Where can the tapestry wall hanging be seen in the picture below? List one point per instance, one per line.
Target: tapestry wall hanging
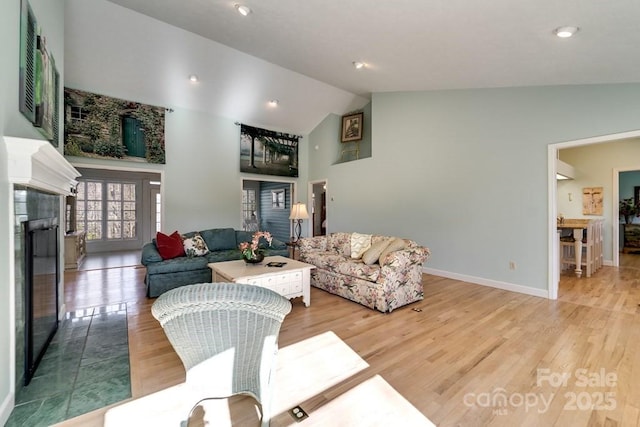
(267, 152)
(39, 81)
(102, 127)
(592, 201)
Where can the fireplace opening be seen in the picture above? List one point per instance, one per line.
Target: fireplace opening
(41, 290)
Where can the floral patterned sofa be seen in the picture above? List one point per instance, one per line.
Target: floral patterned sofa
(391, 281)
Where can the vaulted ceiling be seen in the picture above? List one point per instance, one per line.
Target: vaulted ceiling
(406, 45)
(423, 44)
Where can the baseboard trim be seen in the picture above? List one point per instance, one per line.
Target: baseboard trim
(542, 293)
(6, 408)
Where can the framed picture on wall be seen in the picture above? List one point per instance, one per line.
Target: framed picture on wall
(592, 201)
(352, 127)
(277, 199)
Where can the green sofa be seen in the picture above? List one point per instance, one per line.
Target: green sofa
(163, 275)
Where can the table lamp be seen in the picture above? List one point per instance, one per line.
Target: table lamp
(298, 213)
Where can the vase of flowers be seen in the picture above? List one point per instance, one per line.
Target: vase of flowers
(251, 252)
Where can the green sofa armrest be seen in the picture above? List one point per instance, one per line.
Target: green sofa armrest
(150, 254)
(278, 244)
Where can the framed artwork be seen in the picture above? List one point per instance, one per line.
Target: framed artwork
(39, 80)
(277, 199)
(267, 152)
(28, 52)
(592, 201)
(45, 95)
(103, 127)
(352, 127)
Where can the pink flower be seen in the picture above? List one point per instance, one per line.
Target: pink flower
(249, 249)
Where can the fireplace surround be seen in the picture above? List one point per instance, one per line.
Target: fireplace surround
(39, 175)
(41, 262)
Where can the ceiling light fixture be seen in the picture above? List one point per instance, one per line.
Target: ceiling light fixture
(565, 32)
(193, 78)
(242, 9)
(359, 65)
(274, 103)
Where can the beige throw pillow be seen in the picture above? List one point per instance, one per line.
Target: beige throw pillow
(359, 244)
(373, 253)
(395, 245)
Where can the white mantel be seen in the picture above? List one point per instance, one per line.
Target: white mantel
(36, 163)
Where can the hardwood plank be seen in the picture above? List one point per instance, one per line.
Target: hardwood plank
(467, 341)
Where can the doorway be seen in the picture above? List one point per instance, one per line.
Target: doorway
(319, 222)
(553, 246)
(266, 206)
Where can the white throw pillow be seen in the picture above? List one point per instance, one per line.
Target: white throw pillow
(195, 246)
(359, 244)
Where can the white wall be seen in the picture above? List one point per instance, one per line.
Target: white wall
(50, 17)
(202, 188)
(465, 172)
(201, 177)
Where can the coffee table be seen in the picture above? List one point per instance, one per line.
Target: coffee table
(291, 280)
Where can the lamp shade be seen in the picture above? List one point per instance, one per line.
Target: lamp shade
(299, 211)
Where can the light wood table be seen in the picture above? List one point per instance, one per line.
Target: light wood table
(578, 226)
(291, 280)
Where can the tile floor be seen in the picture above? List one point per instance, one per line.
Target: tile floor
(85, 367)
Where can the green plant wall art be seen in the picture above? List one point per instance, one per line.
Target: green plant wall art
(103, 127)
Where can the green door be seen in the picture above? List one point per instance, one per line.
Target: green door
(133, 137)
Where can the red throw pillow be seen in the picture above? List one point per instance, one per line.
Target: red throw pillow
(170, 246)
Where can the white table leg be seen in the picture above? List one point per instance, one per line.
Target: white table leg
(577, 236)
(306, 287)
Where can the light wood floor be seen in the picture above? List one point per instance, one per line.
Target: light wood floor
(466, 347)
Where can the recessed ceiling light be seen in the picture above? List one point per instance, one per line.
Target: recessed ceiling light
(274, 103)
(564, 32)
(242, 9)
(359, 65)
(193, 78)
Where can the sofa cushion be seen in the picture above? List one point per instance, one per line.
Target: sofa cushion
(277, 244)
(395, 245)
(218, 239)
(358, 269)
(169, 246)
(359, 244)
(195, 246)
(243, 236)
(340, 243)
(324, 260)
(178, 264)
(340, 264)
(227, 255)
(373, 253)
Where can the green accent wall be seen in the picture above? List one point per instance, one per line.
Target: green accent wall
(465, 172)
